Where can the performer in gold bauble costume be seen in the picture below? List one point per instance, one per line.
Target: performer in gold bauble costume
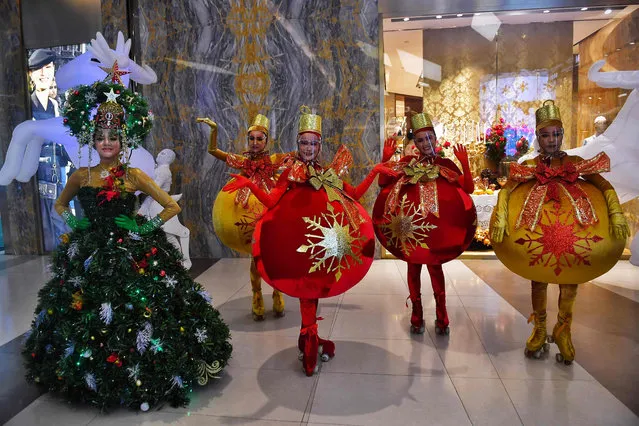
(236, 213)
(557, 220)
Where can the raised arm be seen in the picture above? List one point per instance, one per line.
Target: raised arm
(212, 149)
(466, 179)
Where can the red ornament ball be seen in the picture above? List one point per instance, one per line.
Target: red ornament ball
(430, 239)
(306, 246)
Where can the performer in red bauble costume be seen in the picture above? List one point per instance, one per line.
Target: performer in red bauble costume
(425, 216)
(315, 240)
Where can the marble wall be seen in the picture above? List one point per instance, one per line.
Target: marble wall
(18, 202)
(230, 59)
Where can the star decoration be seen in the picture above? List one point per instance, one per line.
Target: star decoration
(335, 247)
(557, 243)
(111, 96)
(114, 73)
(407, 228)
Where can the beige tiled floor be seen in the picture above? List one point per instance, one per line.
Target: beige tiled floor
(381, 373)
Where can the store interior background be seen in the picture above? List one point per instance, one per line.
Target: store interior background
(358, 63)
(469, 70)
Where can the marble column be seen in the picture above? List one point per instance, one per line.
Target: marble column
(114, 19)
(230, 59)
(19, 205)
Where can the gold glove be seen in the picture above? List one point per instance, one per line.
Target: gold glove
(213, 125)
(618, 225)
(499, 225)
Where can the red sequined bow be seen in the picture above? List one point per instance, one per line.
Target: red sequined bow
(423, 174)
(554, 181)
(258, 168)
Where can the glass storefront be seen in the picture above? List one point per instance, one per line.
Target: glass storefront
(481, 76)
(55, 165)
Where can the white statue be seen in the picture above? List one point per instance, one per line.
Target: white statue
(176, 233)
(23, 155)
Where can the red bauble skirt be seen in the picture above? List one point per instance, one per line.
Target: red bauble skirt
(306, 247)
(430, 240)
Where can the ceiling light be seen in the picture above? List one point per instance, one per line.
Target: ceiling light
(478, 13)
(608, 12)
(546, 11)
(632, 42)
(406, 19)
(438, 16)
(459, 15)
(584, 9)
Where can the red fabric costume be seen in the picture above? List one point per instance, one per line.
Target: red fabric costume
(314, 241)
(425, 216)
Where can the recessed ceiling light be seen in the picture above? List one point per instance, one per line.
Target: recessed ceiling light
(546, 11)
(459, 15)
(584, 8)
(406, 19)
(632, 42)
(438, 16)
(608, 12)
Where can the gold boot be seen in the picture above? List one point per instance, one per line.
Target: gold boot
(258, 306)
(536, 343)
(258, 301)
(562, 337)
(278, 303)
(561, 334)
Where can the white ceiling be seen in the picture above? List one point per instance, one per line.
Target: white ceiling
(513, 18)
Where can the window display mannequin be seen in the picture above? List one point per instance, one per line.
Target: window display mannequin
(601, 124)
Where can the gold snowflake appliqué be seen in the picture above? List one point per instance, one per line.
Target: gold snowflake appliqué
(407, 228)
(336, 246)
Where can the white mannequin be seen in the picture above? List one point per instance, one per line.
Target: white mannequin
(600, 126)
(176, 233)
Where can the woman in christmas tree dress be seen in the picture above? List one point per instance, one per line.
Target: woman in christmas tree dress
(236, 214)
(315, 240)
(557, 220)
(120, 322)
(426, 216)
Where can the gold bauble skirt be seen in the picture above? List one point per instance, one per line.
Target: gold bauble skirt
(233, 223)
(559, 250)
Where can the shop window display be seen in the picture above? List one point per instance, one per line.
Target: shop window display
(54, 164)
(484, 75)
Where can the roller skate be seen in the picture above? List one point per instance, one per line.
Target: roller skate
(326, 349)
(417, 325)
(278, 304)
(441, 323)
(561, 336)
(536, 344)
(258, 306)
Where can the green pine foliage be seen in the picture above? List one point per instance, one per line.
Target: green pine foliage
(121, 322)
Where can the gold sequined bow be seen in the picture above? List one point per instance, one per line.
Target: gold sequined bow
(424, 175)
(334, 187)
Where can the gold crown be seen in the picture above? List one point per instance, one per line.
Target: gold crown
(109, 116)
(309, 122)
(548, 115)
(421, 121)
(260, 123)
